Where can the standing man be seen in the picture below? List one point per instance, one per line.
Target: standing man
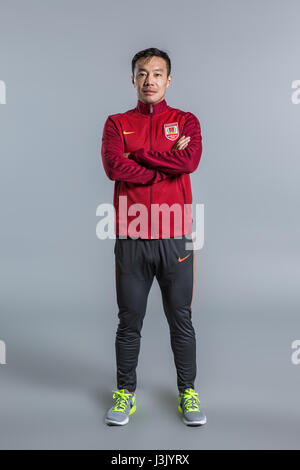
(150, 151)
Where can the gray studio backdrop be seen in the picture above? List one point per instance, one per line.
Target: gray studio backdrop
(66, 67)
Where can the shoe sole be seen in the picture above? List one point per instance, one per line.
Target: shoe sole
(192, 423)
(120, 423)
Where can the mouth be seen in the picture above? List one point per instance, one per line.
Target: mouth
(149, 92)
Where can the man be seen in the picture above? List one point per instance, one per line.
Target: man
(149, 152)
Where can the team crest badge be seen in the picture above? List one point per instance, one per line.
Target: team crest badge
(171, 131)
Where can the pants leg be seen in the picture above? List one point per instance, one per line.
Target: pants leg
(175, 275)
(134, 276)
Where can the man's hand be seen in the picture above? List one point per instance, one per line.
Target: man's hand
(181, 143)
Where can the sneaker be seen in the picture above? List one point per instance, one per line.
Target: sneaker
(188, 405)
(124, 406)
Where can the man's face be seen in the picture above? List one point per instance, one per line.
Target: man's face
(150, 74)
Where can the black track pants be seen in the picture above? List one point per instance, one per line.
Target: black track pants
(137, 261)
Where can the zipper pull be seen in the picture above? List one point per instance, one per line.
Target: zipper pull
(150, 108)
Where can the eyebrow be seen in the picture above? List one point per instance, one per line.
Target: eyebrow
(140, 68)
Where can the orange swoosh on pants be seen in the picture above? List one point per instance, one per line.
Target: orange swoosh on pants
(182, 259)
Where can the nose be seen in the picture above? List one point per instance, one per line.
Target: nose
(149, 80)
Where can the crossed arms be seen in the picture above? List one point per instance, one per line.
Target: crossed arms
(146, 167)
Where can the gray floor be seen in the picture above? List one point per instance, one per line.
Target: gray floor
(56, 385)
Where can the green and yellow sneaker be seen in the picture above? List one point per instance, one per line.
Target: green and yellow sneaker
(125, 405)
(188, 405)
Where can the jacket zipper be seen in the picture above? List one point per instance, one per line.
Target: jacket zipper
(151, 185)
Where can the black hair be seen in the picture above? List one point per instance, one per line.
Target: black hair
(150, 52)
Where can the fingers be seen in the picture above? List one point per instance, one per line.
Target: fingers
(183, 139)
(182, 142)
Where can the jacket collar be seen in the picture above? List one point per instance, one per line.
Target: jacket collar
(157, 108)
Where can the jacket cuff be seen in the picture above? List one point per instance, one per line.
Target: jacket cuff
(138, 155)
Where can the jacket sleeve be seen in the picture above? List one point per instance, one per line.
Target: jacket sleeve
(118, 167)
(175, 161)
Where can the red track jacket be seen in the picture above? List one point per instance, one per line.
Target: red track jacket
(154, 174)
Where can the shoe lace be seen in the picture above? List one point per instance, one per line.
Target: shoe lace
(121, 400)
(191, 400)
